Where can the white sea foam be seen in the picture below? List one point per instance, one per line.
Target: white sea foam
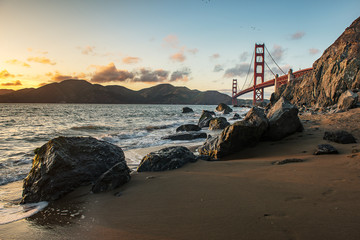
(14, 212)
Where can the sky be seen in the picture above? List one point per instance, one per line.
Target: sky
(200, 44)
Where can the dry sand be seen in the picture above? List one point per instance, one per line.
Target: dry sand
(244, 196)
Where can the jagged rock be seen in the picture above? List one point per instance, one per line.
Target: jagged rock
(65, 163)
(115, 177)
(205, 118)
(222, 107)
(336, 71)
(185, 136)
(218, 123)
(241, 134)
(188, 128)
(347, 100)
(283, 120)
(235, 117)
(187, 110)
(325, 149)
(166, 159)
(339, 137)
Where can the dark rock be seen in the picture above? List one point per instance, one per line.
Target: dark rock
(65, 163)
(347, 100)
(218, 123)
(188, 128)
(325, 149)
(235, 117)
(205, 158)
(115, 177)
(186, 136)
(339, 137)
(187, 110)
(283, 120)
(290, 160)
(166, 159)
(241, 134)
(222, 107)
(205, 118)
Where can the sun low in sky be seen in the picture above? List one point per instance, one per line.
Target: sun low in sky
(200, 44)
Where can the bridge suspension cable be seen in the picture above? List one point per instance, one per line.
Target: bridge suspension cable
(270, 69)
(274, 61)
(252, 58)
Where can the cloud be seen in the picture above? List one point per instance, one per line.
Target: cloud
(244, 56)
(5, 74)
(37, 51)
(87, 50)
(17, 62)
(314, 51)
(171, 41)
(178, 57)
(16, 83)
(237, 71)
(193, 51)
(297, 35)
(180, 75)
(278, 52)
(150, 76)
(110, 73)
(130, 60)
(215, 56)
(218, 68)
(58, 77)
(42, 60)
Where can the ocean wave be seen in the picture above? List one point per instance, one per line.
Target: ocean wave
(152, 128)
(14, 212)
(90, 128)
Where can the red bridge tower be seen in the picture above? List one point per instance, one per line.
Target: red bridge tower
(259, 73)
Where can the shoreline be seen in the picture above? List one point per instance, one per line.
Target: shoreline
(244, 196)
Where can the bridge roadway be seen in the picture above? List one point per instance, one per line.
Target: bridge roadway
(280, 81)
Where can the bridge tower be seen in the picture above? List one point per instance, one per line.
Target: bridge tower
(259, 73)
(234, 92)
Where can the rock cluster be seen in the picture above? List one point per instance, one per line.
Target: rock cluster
(65, 163)
(255, 127)
(218, 123)
(205, 118)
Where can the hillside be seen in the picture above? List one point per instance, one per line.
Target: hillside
(81, 91)
(336, 71)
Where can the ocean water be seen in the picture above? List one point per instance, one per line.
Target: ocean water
(24, 127)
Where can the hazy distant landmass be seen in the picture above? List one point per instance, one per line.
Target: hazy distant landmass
(81, 91)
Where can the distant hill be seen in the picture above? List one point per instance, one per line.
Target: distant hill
(5, 91)
(81, 91)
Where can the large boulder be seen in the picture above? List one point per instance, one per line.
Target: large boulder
(65, 163)
(187, 110)
(205, 118)
(166, 159)
(218, 123)
(186, 136)
(241, 134)
(222, 107)
(188, 128)
(115, 177)
(347, 100)
(339, 137)
(283, 120)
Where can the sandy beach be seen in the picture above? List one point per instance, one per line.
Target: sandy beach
(244, 196)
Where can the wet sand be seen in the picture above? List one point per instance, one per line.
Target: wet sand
(244, 196)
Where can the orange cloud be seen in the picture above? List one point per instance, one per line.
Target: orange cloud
(87, 50)
(110, 73)
(37, 51)
(5, 74)
(16, 83)
(58, 77)
(172, 41)
(178, 57)
(130, 60)
(42, 60)
(17, 62)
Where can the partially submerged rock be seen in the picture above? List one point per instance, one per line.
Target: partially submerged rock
(187, 110)
(235, 117)
(222, 107)
(205, 118)
(188, 128)
(241, 134)
(283, 120)
(166, 159)
(339, 137)
(325, 149)
(186, 136)
(218, 123)
(65, 163)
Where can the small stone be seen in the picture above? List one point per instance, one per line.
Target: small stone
(325, 149)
